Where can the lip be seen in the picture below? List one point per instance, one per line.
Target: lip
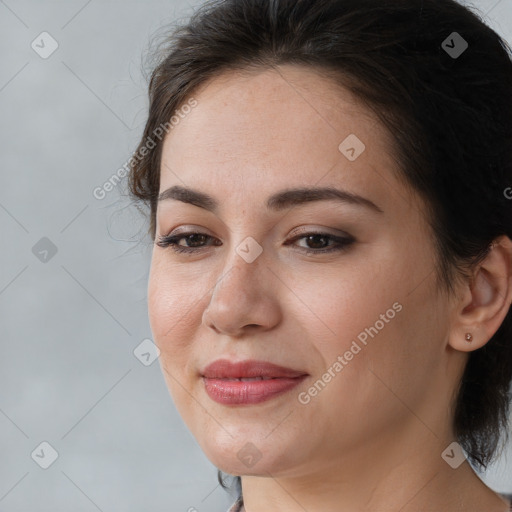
(225, 369)
(222, 386)
(236, 392)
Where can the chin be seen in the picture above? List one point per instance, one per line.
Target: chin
(247, 453)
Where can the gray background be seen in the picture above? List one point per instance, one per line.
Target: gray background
(70, 321)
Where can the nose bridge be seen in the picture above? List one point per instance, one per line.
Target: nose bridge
(239, 297)
(242, 270)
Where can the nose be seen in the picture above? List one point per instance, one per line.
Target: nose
(244, 298)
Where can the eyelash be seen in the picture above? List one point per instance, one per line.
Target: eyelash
(172, 241)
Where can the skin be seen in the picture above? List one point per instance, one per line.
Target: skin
(372, 439)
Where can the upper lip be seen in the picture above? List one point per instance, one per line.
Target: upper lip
(223, 368)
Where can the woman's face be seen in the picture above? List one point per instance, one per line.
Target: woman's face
(363, 321)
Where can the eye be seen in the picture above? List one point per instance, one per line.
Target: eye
(316, 239)
(196, 239)
(193, 238)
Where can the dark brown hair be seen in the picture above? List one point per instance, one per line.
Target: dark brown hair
(450, 117)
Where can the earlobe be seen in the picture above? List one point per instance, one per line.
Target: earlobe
(486, 299)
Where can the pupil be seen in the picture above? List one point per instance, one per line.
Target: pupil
(320, 237)
(194, 237)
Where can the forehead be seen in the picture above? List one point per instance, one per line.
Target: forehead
(275, 128)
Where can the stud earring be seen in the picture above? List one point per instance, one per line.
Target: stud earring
(469, 337)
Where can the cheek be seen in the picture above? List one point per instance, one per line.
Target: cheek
(368, 315)
(174, 310)
(337, 306)
(174, 316)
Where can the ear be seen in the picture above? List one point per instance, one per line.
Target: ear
(485, 300)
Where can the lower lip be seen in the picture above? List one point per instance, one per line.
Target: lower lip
(234, 392)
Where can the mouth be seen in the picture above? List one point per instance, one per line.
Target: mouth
(248, 382)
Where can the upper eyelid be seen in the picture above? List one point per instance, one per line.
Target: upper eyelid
(184, 231)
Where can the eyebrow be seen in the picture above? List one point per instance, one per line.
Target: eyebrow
(277, 202)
